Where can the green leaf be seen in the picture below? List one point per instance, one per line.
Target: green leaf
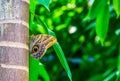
(45, 3)
(116, 5)
(32, 5)
(36, 69)
(102, 22)
(62, 59)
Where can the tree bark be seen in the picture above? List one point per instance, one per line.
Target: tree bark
(14, 18)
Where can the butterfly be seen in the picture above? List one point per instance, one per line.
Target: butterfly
(40, 43)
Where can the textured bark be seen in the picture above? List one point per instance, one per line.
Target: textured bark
(14, 18)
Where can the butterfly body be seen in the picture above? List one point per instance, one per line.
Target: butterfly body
(39, 44)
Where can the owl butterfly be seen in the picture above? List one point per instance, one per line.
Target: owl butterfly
(39, 44)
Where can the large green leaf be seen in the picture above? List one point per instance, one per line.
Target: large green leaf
(102, 22)
(62, 59)
(45, 3)
(116, 4)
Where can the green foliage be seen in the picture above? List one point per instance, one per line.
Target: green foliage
(57, 47)
(80, 28)
(100, 10)
(58, 50)
(102, 22)
(116, 4)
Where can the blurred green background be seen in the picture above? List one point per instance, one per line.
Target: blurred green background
(74, 22)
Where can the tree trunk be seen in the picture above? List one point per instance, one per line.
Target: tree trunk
(14, 18)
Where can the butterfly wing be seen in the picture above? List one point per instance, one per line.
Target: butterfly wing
(40, 43)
